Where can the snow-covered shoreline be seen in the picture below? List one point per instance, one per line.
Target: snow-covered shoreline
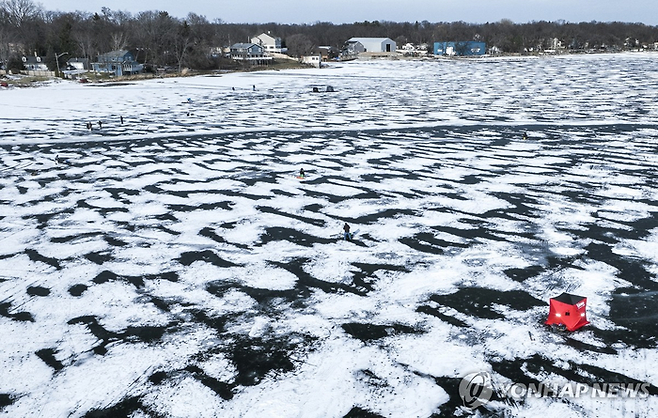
(370, 95)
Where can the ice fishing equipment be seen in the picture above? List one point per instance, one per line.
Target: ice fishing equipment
(568, 310)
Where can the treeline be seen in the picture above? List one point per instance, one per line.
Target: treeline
(159, 39)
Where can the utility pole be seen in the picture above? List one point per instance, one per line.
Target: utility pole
(57, 61)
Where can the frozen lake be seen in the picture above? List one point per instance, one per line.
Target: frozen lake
(174, 266)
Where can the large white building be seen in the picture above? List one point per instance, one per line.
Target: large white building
(269, 43)
(360, 45)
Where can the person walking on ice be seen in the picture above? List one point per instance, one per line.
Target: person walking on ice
(347, 235)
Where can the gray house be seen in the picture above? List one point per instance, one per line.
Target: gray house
(249, 52)
(117, 63)
(35, 63)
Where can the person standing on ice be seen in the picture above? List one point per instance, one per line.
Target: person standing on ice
(347, 236)
(302, 173)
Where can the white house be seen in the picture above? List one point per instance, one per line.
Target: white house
(313, 60)
(76, 66)
(414, 50)
(360, 45)
(269, 43)
(79, 64)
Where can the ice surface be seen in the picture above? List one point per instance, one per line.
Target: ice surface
(174, 266)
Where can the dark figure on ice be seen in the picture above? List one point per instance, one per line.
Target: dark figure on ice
(100, 124)
(89, 126)
(121, 118)
(525, 135)
(347, 234)
(302, 173)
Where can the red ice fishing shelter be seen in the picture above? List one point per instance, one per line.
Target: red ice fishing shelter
(568, 310)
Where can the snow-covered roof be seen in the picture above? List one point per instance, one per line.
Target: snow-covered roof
(369, 40)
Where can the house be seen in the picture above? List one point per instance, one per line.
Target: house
(326, 52)
(249, 52)
(34, 63)
(414, 50)
(356, 46)
(462, 49)
(312, 60)
(35, 66)
(118, 63)
(75, 67)
(269, 43)
(219, 51)
(79, 64)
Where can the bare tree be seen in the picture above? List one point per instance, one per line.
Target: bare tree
(85, 40)
(299, 45)
(20, 11)
(153, 33)
(119, 41)
(181, 43)
(21, 19)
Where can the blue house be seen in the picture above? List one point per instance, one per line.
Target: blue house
(118, 63)
(462, 49)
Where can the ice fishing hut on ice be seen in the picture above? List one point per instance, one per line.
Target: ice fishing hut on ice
(568, 310)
